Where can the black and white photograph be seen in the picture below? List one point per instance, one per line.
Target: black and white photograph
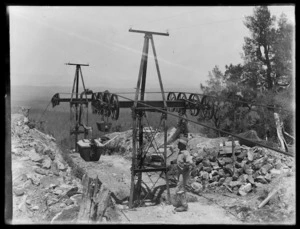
(160, 115)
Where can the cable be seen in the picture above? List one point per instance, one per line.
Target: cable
(232, 100)
(44, 111)
(213, 128)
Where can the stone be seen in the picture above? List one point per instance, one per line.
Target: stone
(235, 183)
(246, 188)
(207, 169)
(58, 191)
(212, 158)
(242, 155)
(214, 172)
(257, 164)
(228, 180)
(221, 162)
(206, 163)
(266, 168)
(215, 165)
(228, 169)
(49, 182)
(227, 160)
(268, 177)
(39, 148)
(27, 184)
(77, 198)
(197, 187)
(250, 179)
(20, 180)
(204, 175)
(67, 215)
(69, 202)
(35, 208)
(242, 178)
(238, 165)
(60, 165)
(199, 159)
(200, 167)
(46, 163)
(25, 120)
(221, 180)
(40, 171)
(261, 179)
(235, 176)
(34, 156)
(247, 169)
(54, 168)
(215, 178)
(62, 205)
(19, 192)
(275, 171)
(250, 155)
(221, 172)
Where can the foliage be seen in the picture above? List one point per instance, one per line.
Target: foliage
(264, 78)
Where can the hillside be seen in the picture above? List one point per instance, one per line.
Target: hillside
(49, 184)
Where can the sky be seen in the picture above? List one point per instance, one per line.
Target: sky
(43, 39)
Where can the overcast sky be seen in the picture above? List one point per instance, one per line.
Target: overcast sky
(42, 39)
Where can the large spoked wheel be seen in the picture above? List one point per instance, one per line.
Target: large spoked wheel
(114, 107)
(171, 97)
(106, 100)
(181, 96)
(207, 110)
(99, 101)
(194, 104)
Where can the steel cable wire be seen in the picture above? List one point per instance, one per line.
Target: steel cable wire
(213, 128)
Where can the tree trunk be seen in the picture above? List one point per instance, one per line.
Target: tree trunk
(96, 200)
(279, 124)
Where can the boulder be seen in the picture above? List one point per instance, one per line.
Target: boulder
(266, 168)
(244, 189)
(40, 171)
(199, 159)
(227, 160)
(207, 169)
(197, 187)
(221, 172)
(243, 178)
(227, 180)
(204, 175)
(250, 179)
(247, 169)
(228, 169)
(46, 163)
(19, 192)
(206, 162)
(261, 179)
(242, 155)
(34, 156)
(235, 184)
(221, 180)
(215, 165)
(250, 155)
(275, 172)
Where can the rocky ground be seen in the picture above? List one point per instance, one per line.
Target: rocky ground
(221, 191)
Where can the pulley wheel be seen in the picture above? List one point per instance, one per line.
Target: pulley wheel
(194, 104)
(114, 107)
(181, 96)
(207, 110)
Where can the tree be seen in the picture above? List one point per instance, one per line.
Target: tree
(216, 82)
(259, 47)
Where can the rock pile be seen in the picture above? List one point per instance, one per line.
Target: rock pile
(42, 181)
(253, 167)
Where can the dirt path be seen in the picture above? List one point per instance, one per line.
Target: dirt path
(114, 172)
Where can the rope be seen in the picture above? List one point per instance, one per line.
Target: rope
(216, 129)
(44, 111)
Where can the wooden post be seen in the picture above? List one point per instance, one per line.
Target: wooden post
(283, 144)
